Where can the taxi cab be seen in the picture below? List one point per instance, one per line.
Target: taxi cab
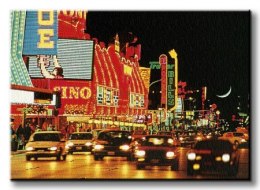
(46, 144)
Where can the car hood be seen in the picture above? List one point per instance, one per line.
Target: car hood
(42, 144)
(161, 148)
(114, 142)
(83, 141)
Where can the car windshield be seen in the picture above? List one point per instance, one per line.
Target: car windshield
(238, 134)
(46, 137)
(214, 145)
(139, 133)
(114, 134)
(188, 133)
(81, 136)
(157, 141)
(164, 133)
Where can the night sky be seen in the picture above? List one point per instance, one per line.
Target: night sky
(213, 48)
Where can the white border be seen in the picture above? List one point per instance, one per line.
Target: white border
(181, 5)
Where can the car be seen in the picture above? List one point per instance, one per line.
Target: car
(187, 138)
(95, 132)
(157, 150)
(80, 142)
(176, 141)
(213, 155)
(112, 143)
(236, 138)
(46, 144)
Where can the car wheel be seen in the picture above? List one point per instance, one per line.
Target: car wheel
(96, 157)
(175, 166)
(190, 171)
(129, 158)
(28, 158)
(35, 158)
(58, 158)
(140, 166)
(64, 157)
(233, 170)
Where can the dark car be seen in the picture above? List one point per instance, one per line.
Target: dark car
(187, 138)
(80, 142)
(112, 143)
(157, 150)
(139, 134)
(172, 134)
(213, 156)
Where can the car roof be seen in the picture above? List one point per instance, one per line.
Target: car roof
(81, 133)
(44, 132)
(114, 130)
(159, 136)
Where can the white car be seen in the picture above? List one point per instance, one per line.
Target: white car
(235, 138)
(46, 144)
(80, 142)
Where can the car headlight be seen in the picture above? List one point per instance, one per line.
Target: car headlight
(70, 144)
(98, 147)
(140, 153)
(181, 138)
(243, 140)
(170, 141)
(191, 156)
(29, 148)
(88, 143)
(53, 148)
(225, 157)
(124, 147)
(198, 138)
(170, 154)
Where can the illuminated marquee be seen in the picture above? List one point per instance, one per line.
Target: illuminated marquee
(170, 86)
(163, 62)
(74, 92)
(74, 56)
(40, 36)
(145, 75)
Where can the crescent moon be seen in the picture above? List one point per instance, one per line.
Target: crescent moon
(225, 95)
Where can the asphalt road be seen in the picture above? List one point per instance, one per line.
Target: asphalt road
(83, 166)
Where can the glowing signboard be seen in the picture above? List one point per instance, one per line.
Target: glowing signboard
(75, 57)
(163, 62)
(40, 37)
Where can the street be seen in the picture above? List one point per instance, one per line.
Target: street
(83, 166)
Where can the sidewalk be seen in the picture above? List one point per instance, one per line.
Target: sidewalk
(17, 152)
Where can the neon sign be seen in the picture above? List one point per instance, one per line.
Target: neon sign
(40, 33)
(73, 92)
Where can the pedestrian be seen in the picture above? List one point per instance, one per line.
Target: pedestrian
(27, 132)
(20, 137)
